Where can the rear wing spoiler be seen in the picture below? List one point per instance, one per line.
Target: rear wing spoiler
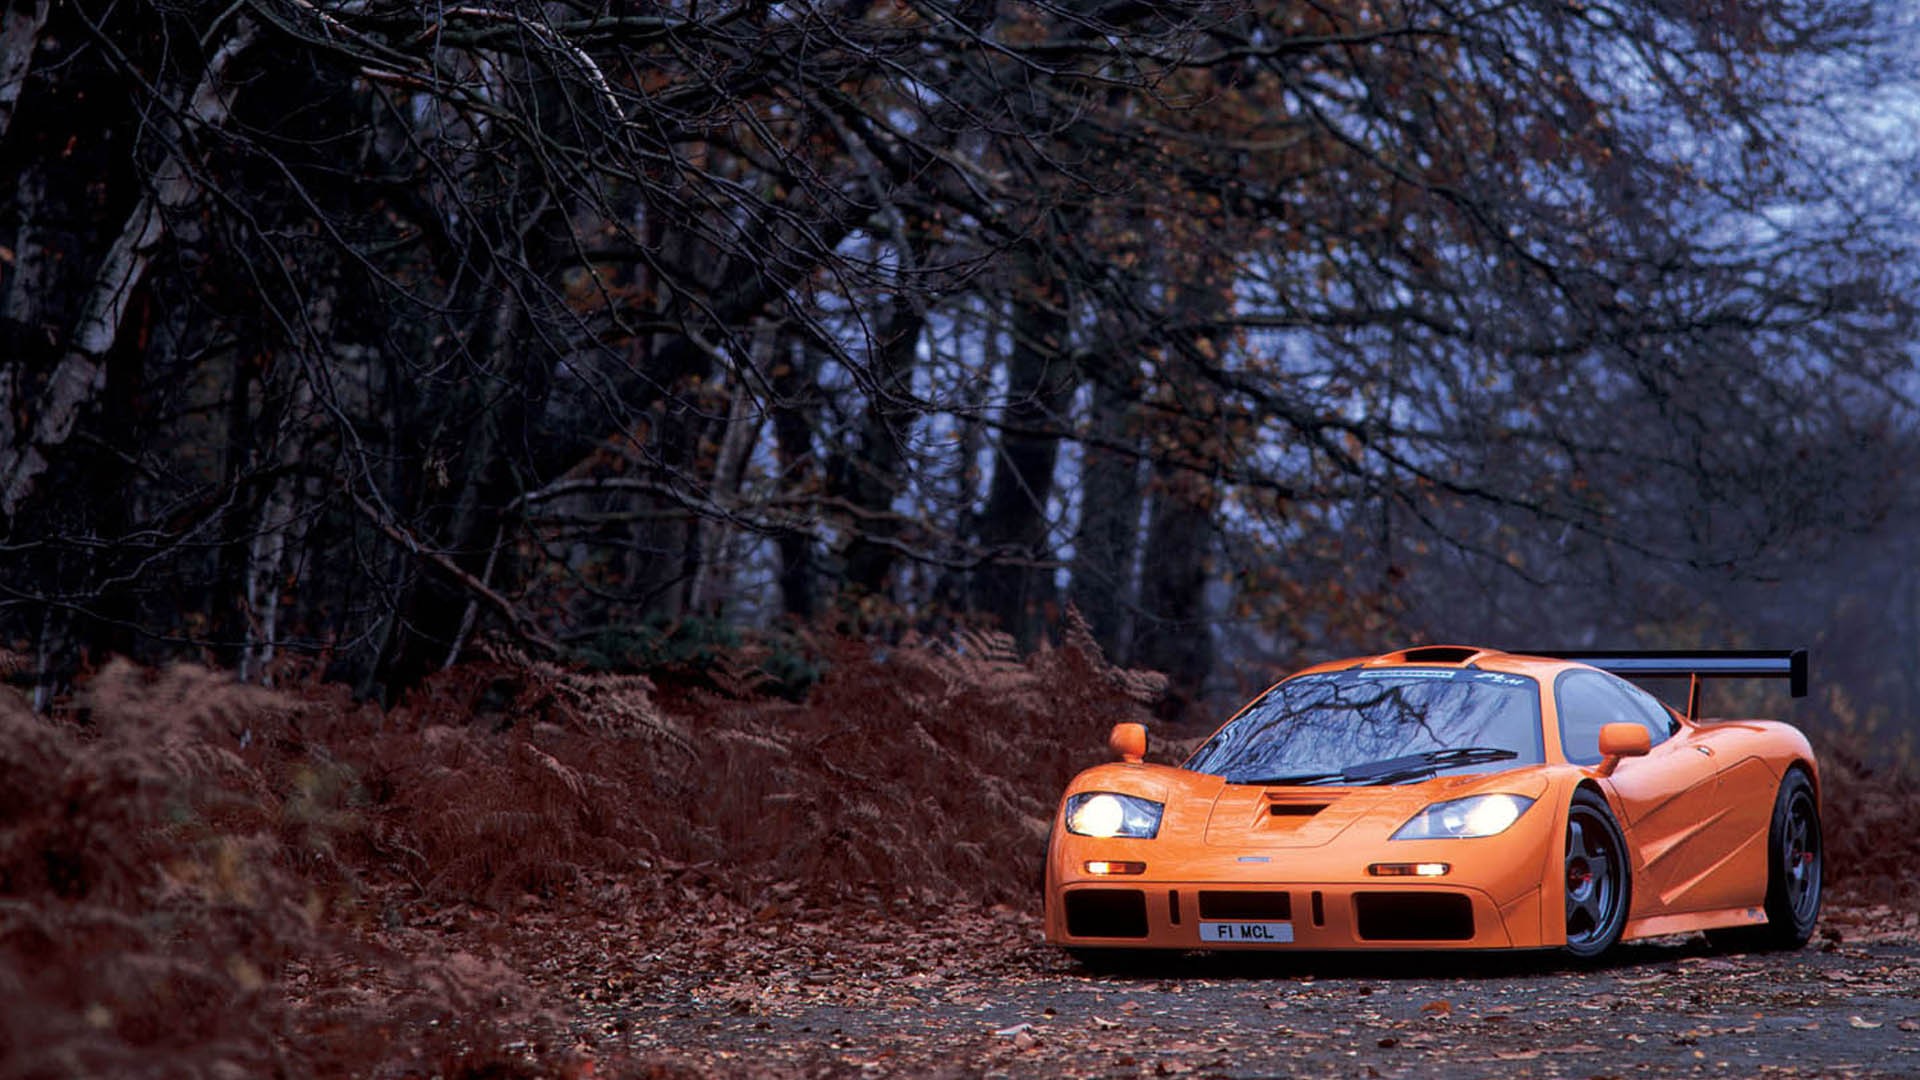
(1696, 666)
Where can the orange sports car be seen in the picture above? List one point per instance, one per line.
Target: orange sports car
(1445, 797)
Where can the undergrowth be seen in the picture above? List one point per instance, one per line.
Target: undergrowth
(199, 877)
(204, 878)
(1870, 800)
(926, 769)
(178, 857)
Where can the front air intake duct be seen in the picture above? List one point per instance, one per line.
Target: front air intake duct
(1107, 913)
(1413, 916)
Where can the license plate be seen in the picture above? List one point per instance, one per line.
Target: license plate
(1246, 933)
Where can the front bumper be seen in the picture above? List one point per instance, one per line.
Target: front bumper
(1315, 915)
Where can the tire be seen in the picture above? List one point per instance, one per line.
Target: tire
(1796, 859)
(1599, 877)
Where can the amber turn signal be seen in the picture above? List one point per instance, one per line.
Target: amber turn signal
(1104, 867)
(1408, 869)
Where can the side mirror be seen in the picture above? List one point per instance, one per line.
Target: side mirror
(1622, 740)
(1129, 742)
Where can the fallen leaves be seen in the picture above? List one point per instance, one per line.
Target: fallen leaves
(886, 991)
(707, 966)
(1857, 924)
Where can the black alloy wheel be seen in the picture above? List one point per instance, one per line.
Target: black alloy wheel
(1795, 861)
(1599, 881)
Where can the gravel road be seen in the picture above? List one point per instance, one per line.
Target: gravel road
(807, 1001)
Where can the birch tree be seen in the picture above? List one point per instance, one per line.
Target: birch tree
(365, 331)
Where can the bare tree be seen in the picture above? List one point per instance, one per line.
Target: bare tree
(399, 325)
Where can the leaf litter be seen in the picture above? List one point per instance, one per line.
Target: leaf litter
(683, 884)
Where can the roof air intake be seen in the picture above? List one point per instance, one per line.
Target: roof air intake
(1438, 654)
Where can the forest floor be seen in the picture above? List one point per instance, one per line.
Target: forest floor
(871, 992)
(527, 871)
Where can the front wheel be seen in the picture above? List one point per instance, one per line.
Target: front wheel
(1599, 881)
(1795, 859)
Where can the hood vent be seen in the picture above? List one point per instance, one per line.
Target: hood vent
(1294, 809)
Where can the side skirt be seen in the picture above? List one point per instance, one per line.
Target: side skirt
(1660, 925)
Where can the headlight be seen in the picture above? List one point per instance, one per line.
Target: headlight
(1477, 815)
(1103, 813)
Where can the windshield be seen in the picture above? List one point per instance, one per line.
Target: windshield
(1329, 728)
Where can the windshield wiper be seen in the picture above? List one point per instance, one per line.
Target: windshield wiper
(1394, 770)
(1389, 770)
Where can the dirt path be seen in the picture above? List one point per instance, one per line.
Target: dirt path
(975, 994)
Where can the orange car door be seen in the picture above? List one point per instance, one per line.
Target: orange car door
(1670, 797)
(1737, 839)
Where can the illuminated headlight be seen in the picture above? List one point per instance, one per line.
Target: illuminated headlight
(1478, 815)
(1103, 813)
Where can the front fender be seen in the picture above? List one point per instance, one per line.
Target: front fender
(1553, 858)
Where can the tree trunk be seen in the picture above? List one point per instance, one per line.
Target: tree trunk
(281, 524)
(101, 473)
(1013, 586)
(23, 306)
(434, 607)
(713, 577)
(952, 586)
(657, 567)
(81, 373)
(795, 401)
(228, 613)
(1110, 496)
(1172, 634)
(9, 393)
(872, 479)
(19, 36)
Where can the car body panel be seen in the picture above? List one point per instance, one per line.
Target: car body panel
(1669, 804)
(1694, 811)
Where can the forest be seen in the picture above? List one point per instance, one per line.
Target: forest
(422, 421)
(347, 333)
